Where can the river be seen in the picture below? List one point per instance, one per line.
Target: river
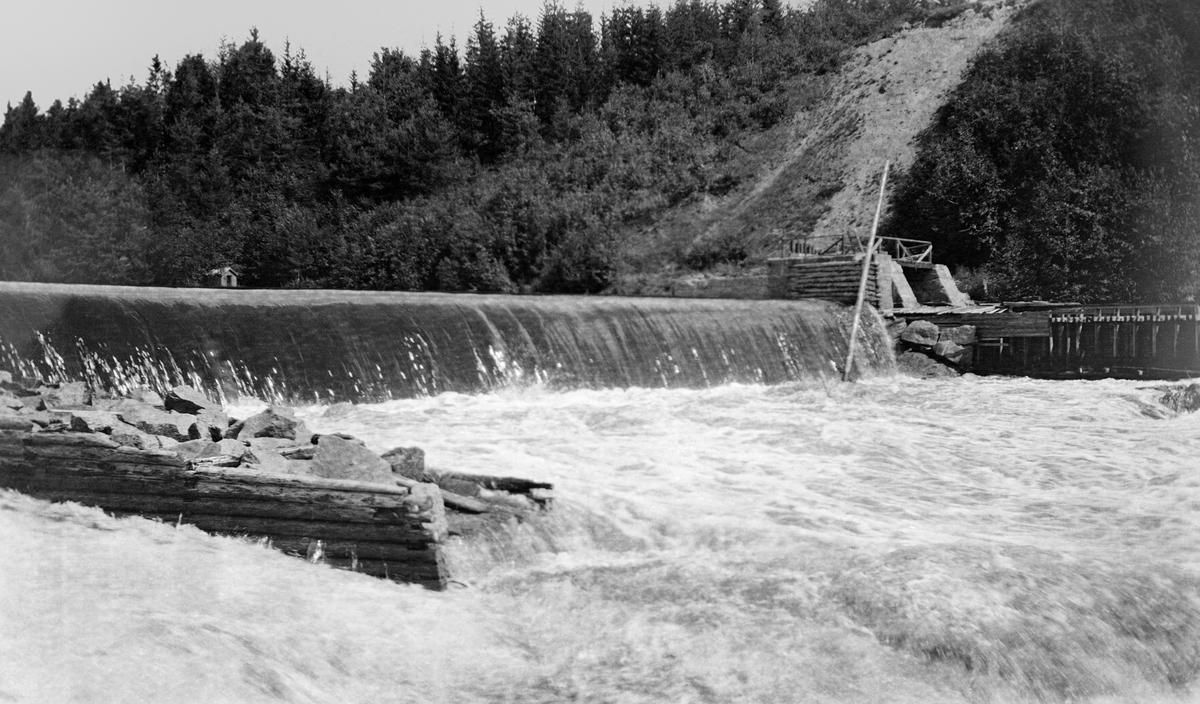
(893, 540)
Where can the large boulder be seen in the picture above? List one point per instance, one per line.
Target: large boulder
(338, 458)
(921, 333)
(960, 335)
(264, 460)
(185, 399)
(210, 415)
(91, 421)
(407, 461)
(10, 402)
(922, 366)
(69, 396)
(150, 397)
(274, 422)
(177, 426)
(949, 351)
(198, 449)
(129, 436)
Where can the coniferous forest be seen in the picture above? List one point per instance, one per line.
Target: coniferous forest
(1066, 166)
(526, 157)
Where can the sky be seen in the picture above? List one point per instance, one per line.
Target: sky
(59, 49)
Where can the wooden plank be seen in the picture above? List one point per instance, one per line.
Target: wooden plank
(149, 504)
(253, 525)
(363, 549)
(92, 453)
(513, 485)
(122, 479)
(399, 571)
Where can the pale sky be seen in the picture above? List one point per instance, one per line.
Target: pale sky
(59, 49)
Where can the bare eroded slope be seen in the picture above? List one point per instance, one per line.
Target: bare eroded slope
(819, 173)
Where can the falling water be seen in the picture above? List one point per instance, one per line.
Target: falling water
(325, 346)
(894, 540)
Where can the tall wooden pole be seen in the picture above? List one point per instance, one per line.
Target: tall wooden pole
(866, 271)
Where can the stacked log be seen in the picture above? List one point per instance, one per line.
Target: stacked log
(385, 531)
(829, 278)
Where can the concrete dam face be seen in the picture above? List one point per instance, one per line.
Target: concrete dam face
(329, 346)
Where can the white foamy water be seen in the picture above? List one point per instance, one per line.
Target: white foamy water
(891, 541)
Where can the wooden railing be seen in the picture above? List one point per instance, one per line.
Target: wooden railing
(826, 246)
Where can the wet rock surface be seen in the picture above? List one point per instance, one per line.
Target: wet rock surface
(1181, 399)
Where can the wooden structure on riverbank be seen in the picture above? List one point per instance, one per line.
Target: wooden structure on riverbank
(385, 531)
(1066, 340)
(902, 273)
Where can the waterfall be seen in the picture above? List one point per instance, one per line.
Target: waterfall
(328, 346)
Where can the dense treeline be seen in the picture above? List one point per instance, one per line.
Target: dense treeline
(515, 163)
(1066, 166)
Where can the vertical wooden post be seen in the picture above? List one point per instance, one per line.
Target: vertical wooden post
(862, 282)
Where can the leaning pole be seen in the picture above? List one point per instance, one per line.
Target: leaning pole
(862, 282)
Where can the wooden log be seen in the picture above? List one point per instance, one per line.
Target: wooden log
(92, 453)
(363, 549)
(135, 479)
(513, 485)
(254, 525)
(420, 572)
(141, 503)
(69, 439)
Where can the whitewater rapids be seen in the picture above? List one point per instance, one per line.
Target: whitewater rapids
(889, 541)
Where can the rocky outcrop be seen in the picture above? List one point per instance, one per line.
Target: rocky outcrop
(192, 431)
(953, 346)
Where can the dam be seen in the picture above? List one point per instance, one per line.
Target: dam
(329, 346)
(996, 539)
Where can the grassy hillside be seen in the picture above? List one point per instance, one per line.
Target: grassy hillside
(556, 155)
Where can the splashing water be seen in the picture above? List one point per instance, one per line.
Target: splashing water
(991, 540)
(327, 346)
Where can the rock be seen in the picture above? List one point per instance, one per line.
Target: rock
(42, 418)
(266, 461)
(8, 401)
(338, 409)
(407, 461)
(274, 422)
(949, 351)
(92, 421)
(177, 426)
(273, 444)
(129, 436)
(12, 421)
(185, 399)
(922, 366)
(166, 443)
(36, 403)
(960, 335)
(196, 449)
(299, 452)
(921, 333)
(1182, 399)
(344, 436)
(147, 396)
(212, 423)
(70, 396)
(895, 328)
(338, 458)
(6, 378)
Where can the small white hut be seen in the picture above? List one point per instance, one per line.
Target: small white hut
(221, 277)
